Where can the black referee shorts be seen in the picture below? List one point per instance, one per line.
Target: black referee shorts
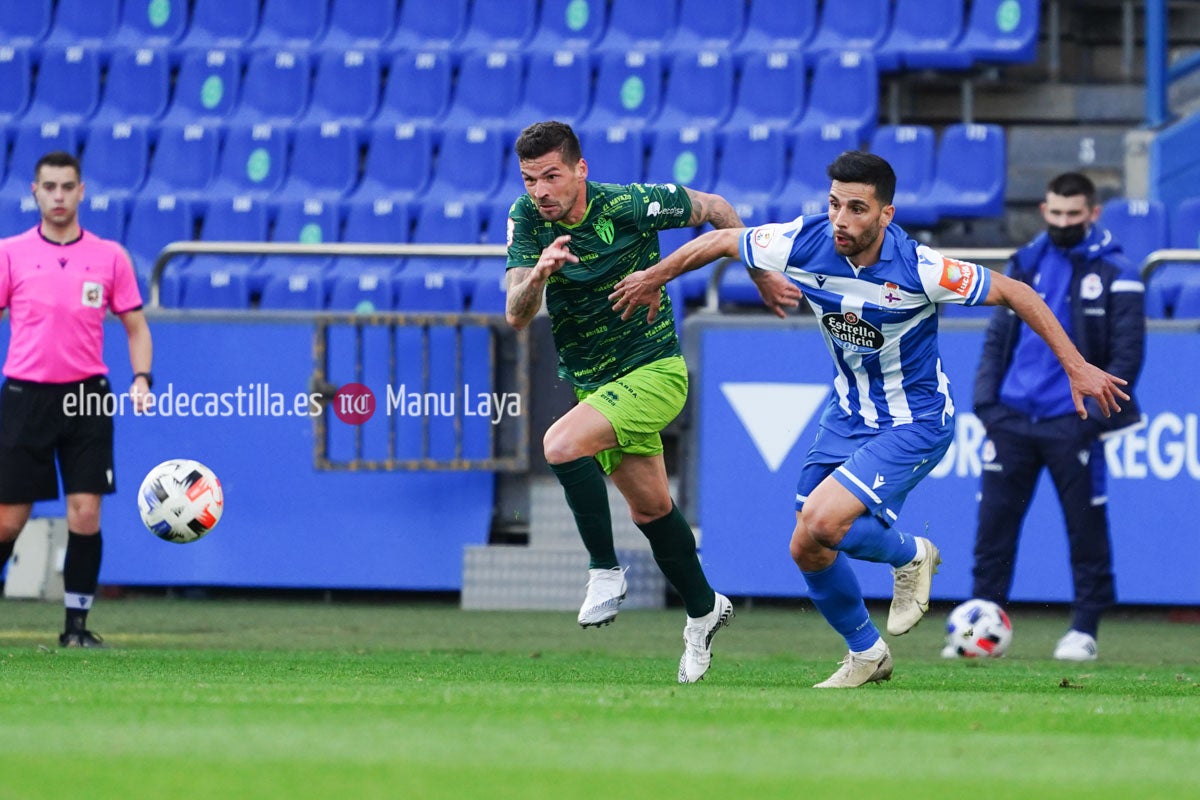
(39, 423)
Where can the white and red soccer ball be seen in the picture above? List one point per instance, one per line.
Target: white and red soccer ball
(180, 500)
(978, 629)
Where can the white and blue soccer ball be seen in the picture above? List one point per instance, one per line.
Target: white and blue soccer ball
(181, 500)
(978, 629)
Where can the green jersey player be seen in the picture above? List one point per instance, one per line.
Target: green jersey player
(572, 240)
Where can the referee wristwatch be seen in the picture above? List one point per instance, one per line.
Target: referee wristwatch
(148, 376)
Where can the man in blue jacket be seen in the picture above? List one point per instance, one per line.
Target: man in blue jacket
(1023, 398)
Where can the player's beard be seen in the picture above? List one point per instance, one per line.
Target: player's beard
(859, 243)
(558, 210)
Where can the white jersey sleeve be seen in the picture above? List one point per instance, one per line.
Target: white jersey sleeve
(769, 246)
(948, 280)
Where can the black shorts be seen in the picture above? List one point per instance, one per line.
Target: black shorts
(38, 424)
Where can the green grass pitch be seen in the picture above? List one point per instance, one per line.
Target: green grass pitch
(265, 699)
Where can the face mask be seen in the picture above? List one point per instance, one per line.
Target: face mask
(1067, 236)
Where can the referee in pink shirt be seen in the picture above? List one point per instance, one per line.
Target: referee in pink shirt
(57, 282)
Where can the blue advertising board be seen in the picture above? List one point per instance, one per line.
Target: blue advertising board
(761, 390)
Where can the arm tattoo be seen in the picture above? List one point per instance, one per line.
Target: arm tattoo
(712, 208)
(524, 293)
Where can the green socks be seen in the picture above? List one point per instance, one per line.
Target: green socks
(587, 495)
(674, 546)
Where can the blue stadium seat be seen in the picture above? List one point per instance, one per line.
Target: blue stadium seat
(1140, 226)
(707, 25)
(574, 25)
(104, 216)
(1002, 31)
(450, 222)
(430, 290)
(346, 88)
(615, 155)
(306, 221)
(489, 292)
(214, 285)
(18, 213)
(275, 87)
(206, 88)
(232, 219)
(1185, 225)
(156, 25)
(4, 150)
(373, 221)
(298, 290)
(185, 161)
(499, 25)
(925, 35)
(25, 23)
(154, 222)
(512, 185)
(399, 162)
(1166, 283)
(116, 158)
(495, 231)
(359, 25)
(753, 165)
(851, 25)
(772, 91)
(137, 88)
(561, 87)
(628, 91)
(778, 26)
(253, 161)
(1187, 301)
(323, 163)
(290, 24)
(970, 173)
(806, 190)
(487, 90)
(417, 90)
(16, 83)
(638, 25)
(30, 143)
(844, 92)
(686, 157)
(220, 25)
(67, 89)
(429, 25)
(699, 92)
(84, 23)
(363, 291)
(470, 165)
(1157, 306)
(910, 150)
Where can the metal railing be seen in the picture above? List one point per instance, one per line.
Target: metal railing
(1153, 262)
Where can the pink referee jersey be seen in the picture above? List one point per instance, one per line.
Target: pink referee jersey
(57, 296)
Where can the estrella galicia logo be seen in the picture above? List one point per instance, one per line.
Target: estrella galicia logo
(604, 229)
(852, 333)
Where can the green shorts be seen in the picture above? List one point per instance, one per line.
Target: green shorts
(639, 405)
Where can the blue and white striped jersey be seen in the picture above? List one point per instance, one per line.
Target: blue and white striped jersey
(879, 322)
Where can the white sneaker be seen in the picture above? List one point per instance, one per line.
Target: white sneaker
(606, 588)
(1076, 646)
(910, 590)
(697, 639)
(860, 668)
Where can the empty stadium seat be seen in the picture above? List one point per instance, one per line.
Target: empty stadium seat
(116, 158)
(707, 25)
(362, 291)
(417, 90)
(470, 165)
(206, 88)
(104, 216)
(275, 87)
(844, 92)
(752, 167)
(851, 25)
(778, 26)
(4, 150)
(359, 25)
(232, 219)
(925, 35)
(628, 90)
(305, 221)
(699, 92)
(399, 162)
(16, 83)
(489, 292)
(686, 157)
(806, 189)
(638, 25)
(1140, 226)
(493, 25)
(31, 142)
(299, 290)
(487, 90)
(772, 91)
(323, 162)
(450, 222)
(910, 150)
(290, 24)
(214, 285)
(429, 291)
(156, 25)
(373, 221)
(614, 155)
(253, 161)
(346, 88)
(220, 25)
(155, 222)
(1002, 31)
(25, 23)
(574, 25)
(429, 25)
(1187, 302)
(18, 213)
(67, 89)
(137, 88)
(185, 161)
(84, 23)
(560, 88)
(1185, 225)
(970, 174)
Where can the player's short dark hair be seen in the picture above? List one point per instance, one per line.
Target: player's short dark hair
(57, 158)
(855, 166)
(1073, 184)
(541, 138)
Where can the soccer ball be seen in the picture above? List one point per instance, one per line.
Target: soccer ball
(180, 500)
(978, 629)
